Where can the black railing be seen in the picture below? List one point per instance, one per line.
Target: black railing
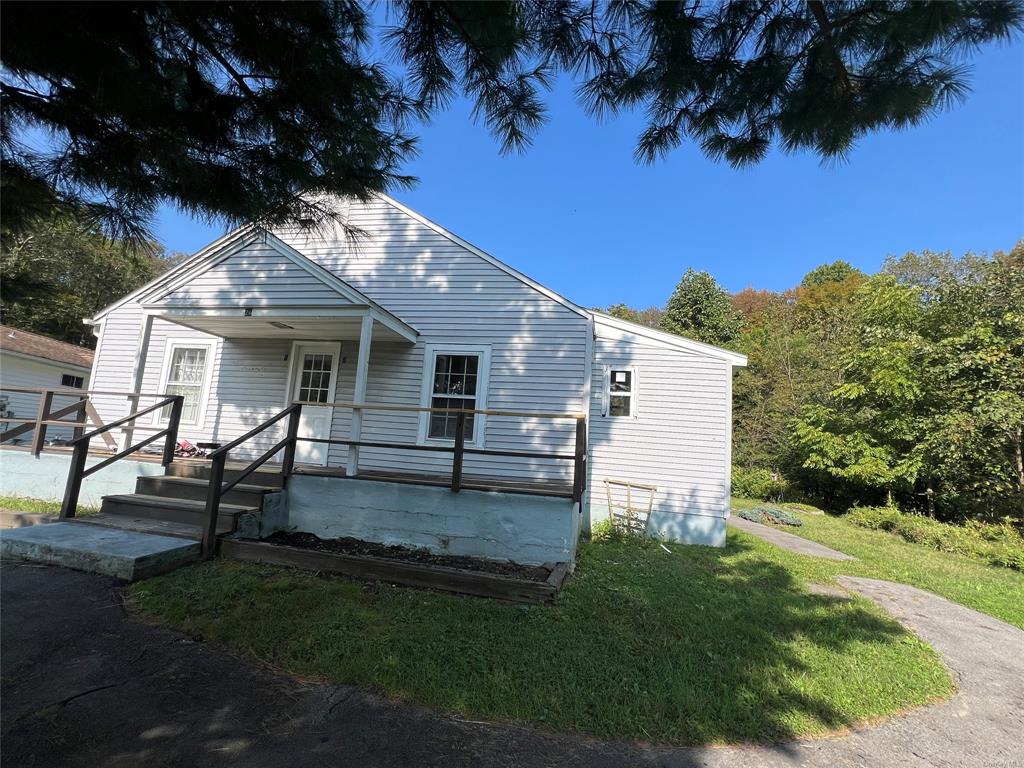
(78, 470)
(218, 463)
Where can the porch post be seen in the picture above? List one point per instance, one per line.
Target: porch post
(138, 374)
(359, 396)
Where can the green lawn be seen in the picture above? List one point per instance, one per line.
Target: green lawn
(698, 646)
(996, 591)
(38, 506)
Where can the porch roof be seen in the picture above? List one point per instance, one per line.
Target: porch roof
(260, 287)
(289, 322)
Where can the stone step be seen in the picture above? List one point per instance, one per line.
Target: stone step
(152, 525)
(122, 554)
(199, 468)
(189, 511)
(196, 488)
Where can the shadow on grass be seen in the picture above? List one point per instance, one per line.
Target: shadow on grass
(698, 646)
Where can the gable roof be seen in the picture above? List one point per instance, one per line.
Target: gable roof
(670, 339)
(35, 345)
(240, 234)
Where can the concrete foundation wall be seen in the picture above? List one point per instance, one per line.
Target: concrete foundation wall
(708, 530)
(22, 474)
(502, 526)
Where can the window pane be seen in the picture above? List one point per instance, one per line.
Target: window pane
(619, 405)
(622, 381)
(315, 378)
(442, 425)
(190, 406)
(456, 375)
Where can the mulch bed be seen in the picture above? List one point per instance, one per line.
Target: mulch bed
(350, 546)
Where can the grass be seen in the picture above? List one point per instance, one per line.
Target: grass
(993, 590)
(39, 506)
(695, 646)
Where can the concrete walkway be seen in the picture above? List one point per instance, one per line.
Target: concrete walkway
(785, 540)
(85, 685)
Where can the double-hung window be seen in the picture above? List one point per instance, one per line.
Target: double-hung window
(458, 378)
(620, 391)
(186, 369)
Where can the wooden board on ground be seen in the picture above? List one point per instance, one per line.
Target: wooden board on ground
(438, 577)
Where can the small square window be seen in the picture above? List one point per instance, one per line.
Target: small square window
(620, 394)
(69, 380)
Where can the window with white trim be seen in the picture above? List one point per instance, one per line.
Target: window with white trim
(455, 384)
(620, 392)
(185, 374)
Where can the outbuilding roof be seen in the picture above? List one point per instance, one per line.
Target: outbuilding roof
(35, 345)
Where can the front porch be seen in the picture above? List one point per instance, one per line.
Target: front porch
(450, 513)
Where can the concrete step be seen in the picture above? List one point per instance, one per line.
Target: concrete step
(196, 488)
(199, 468)
(189, 511)
(151, 525)
(122, 554)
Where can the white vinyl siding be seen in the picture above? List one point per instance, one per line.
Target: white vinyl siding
(451, 295)
(37, 373)
(258, 276)
(679, 439)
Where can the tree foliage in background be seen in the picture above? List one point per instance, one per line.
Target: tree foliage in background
(58, 271)
(931, 405)
(231, 110)
(701, 309)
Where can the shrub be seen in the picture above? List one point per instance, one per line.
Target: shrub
(758, 484)
(610, 530)
(997, 544)
(770, 515)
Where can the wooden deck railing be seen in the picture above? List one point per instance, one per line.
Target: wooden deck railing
(84, 410)
(458, 448)
(78, 471)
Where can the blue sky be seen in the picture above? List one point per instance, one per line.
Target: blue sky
(576, 213)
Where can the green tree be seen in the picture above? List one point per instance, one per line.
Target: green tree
(930, 407)
(624, 312)
(58, 271)
(836, 272)
(232, 110)
(701, 309)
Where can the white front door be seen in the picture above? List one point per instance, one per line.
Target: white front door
(315, 375)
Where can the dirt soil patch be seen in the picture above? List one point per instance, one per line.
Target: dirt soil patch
(350, 546)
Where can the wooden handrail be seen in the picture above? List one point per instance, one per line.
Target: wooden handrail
(130, 417)
(71, 391)
(256, 430)
(218, 463)
(428, 409)
(77, 472)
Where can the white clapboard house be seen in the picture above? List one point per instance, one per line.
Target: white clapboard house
(384, 338)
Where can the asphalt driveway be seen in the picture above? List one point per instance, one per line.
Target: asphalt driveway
(84, 684)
